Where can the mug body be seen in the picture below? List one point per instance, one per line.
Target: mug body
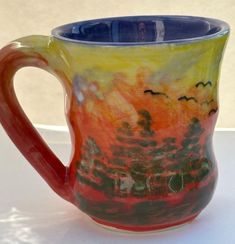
(142, 112)
(141, 105)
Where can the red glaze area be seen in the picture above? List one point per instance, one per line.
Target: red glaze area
(146, 228)
(17, 125)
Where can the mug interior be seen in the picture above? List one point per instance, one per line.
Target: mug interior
(141, 29)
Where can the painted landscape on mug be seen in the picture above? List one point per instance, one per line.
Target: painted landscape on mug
(145, 138)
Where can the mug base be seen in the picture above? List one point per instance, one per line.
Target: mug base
(144, 229)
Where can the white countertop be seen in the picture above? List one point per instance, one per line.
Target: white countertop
(30, 212)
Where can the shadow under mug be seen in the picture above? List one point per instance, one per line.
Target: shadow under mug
(141, 106)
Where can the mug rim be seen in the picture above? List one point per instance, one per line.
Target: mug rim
(224, 29)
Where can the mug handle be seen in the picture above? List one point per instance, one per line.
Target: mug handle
(30, 51)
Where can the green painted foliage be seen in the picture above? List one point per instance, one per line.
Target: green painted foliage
(138, 157)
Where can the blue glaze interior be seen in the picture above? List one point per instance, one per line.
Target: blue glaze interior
(140, 29)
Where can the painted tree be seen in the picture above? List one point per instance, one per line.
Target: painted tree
(137, 163)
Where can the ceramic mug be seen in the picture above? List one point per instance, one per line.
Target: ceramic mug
(141, 106)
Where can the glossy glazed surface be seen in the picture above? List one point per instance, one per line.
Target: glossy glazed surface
(141, 121)
(145, 132)
(135, 30)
